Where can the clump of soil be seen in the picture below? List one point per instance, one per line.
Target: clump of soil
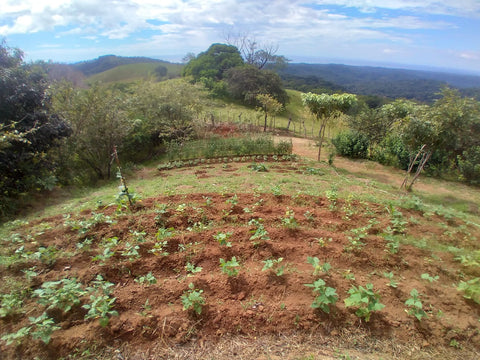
(176, 239)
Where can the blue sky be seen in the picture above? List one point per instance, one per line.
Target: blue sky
(398, 33)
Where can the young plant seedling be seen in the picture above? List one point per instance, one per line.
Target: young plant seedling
(415, 306)
(317, 267)
(148, 279)
(393, 283)
(274, 265)
(192, 269)
(429, 278)
(326, 296)
(289, 220)
(230, 267)
(470, 289)
(193, 299)
(365, 299)
(222, 238)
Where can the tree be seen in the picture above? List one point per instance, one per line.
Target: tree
(327, 108)
(269, 106)
(213, 63)
(28, 128)
(255, 54)
(246, 82)
(98, 119)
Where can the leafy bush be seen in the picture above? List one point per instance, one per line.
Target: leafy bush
(469, 165)
(351, 144)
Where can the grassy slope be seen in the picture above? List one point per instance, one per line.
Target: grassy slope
(134, 72)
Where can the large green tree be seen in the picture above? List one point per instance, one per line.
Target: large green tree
(28, 128)
(213, 63)
(246, 82)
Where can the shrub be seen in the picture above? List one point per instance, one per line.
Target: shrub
(351, 144)
(469, 165)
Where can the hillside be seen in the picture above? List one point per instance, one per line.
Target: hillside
(138, 71)
(107, 62)
(393, 83)
(275, 233)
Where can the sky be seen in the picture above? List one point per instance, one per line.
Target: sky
(424, 34)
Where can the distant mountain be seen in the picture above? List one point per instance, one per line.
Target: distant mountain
(392, 83)
(107, 62)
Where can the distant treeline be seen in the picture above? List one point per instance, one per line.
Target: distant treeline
(364, 80)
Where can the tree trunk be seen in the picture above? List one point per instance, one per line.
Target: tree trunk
(265, 125)
(289, 121)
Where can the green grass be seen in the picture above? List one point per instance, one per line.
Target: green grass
(135, 72)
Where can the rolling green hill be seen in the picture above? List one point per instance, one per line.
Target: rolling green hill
(138, 71)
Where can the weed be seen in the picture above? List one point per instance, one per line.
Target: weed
(146, 308)
(326, 295)
(230, 267)
(322, 242)
(365, 299)
(274, 265)
(348, 275)
(192, 298)
(415, 305)
(222, 238)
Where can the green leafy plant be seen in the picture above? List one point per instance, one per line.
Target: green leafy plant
(393, 283)
(332, 196)
(289, 220)
(415, 305)
(192, 298)
(46, 255)
(470, 289)
(192, 269)
(44, 327)
(397, 222)
(317, 267)
(258, 167)
(101, 303)
(259, 232)
(393, 243)
(274, 265)
(164, 233)
(11, 304)
(276, 191)
(366, 299)
(326, 295)
(159, 248)
(130, 251)
(230, 267)
(62, 294)
(148, 279)
(355, 241)
(429, 278)
(223, 237)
